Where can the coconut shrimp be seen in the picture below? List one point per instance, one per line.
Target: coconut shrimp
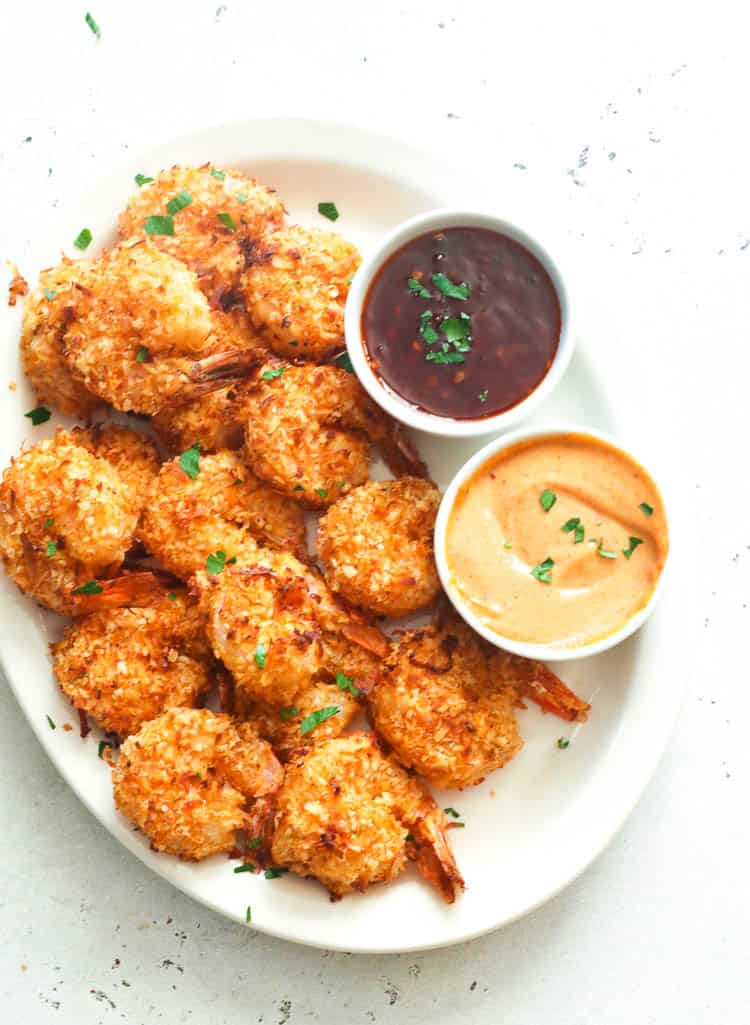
(220, 213)
(350, 817)
(308, 431)
(295, 289)
(208, 420)
(67, 519)
(123, 667)
(376, 543)
(186, 777)
(218, 506)
(45, 319)
(133, 455)
(445, 703)
(141, 334)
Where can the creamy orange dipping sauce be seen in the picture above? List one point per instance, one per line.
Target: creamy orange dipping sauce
(551, 540)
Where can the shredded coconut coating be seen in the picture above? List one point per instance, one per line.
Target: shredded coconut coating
(186, 777)
(59, 493)
(295, 290)
(125, 666)
(209, 420)
(344, 813)
(215, 251)
(133, 455)
(377, 545)
(45, 314)
(225, 508)
(444, 703)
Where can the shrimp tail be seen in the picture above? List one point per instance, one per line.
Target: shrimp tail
(133, 589)
(221, 367)
(367, 637)
(400, 453)
(259, 826)
(548, 691)
(433, 856)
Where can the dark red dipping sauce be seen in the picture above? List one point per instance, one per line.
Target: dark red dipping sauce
(480, 341)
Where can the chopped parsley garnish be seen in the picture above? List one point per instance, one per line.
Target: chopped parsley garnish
(90, 587)
(579, 534)
(83, 239)
(39, 415)
(247, 867)
(507, 545)
(50, 294)
(260, 656)
(449, 289)
(317, 717)
(142, 355)
(179, 202)
(571, 524)
(288, 712)
(189, 461)
(274, 873)
(240, 198)
(51, 549)
(216, 562)
(562, 743)
(216, 173)
(426, 330)
(51, 724)
(648, 509)
(172, 596)
(249, 914)
(158, 224)
(547, 499)
(344, 361)
(228, 221)
(541, 571)
(298, 487)
(321, 492)
(102, 745)
(142, 179)
(452, 812)
(444, 357)
(271, 375)
(93, 25)
(48, 522)
(346, 683)
(417, 288)
(328, 210)
(634, 542)
(457, 329)
(483, 395)
(604, 553)
(254, 843)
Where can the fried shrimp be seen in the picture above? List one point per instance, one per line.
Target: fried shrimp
(295, 289)
(125, 666)
(219, 214)
(186, 778)
(220, 507)
(133, 455)
(208, 420)
(67, 517)
(350, 816)
(45, 321)
(308, 431)
(377, 545)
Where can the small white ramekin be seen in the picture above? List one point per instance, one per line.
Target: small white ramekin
(557, 652)
(393, 403)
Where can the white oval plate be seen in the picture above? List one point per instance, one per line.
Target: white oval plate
(530, 828)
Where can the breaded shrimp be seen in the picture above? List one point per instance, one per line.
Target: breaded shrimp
(123, 667)
(344, 814)
(209, 420)
(295, 289)
(137, 332)
(186, 777)
(67, 517)
(308, 431)
(377, 545)
(45, 321)
(224, 508)
(132, 454)
(224, 213)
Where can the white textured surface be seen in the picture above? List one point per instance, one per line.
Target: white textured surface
(657, 931)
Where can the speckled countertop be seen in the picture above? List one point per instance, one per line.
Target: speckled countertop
(634, 125)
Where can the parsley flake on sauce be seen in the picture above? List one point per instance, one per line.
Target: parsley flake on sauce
(328, 210)
(346, 683)
(90, 587)
(449, 289)
(228, 221)
(457, 329)
(579, 534)
(571, 524)
(179, 202)
(417, 288)
(271, 375)
(260, 656)
(38, 415)
(93, 25)
(142, 179)
(317, 717)
(604, 553)
(483, 395)
(541, 572)
(634, 542)
(159, 224)
(216, 562)
(189, 461)
(647, 509)
(142, 355)
(51, 550)
(83, 239)
(288, 712)
(444, 357)
(426, 330)
(547, 499)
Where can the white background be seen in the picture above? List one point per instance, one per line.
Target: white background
(630, 123)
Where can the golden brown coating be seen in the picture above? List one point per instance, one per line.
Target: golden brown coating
(223, 509)
(226, 212)
(344, 814)
(308, 431)
(185, 779)
(377, 545)
(132, 454)
(125, 666)
(66, 517)
(45, 314)
(295, 289)
(210, 420)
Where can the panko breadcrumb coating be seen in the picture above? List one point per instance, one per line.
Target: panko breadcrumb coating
(344, 814)
(444, 706)
(295, 290)
(308, 431)
(66, 517)
(226, 212)
(210, 420)
(132, 454)
(377, 545)
(223, 509)
(125, 666)
(45, 320)
(185, 779)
